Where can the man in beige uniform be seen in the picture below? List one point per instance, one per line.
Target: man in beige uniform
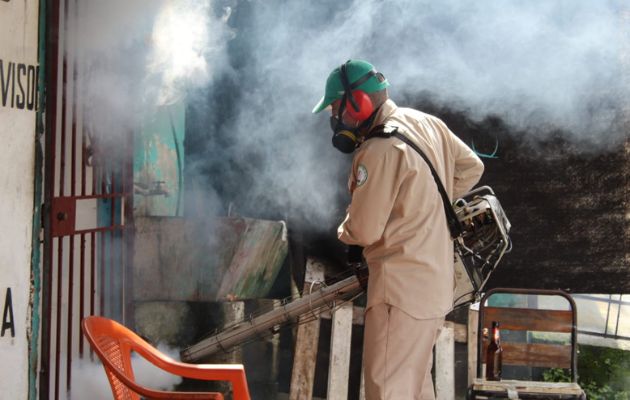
(397, 215)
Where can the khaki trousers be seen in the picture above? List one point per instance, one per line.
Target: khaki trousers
(398, 354)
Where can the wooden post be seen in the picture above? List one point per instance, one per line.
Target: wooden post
(305, 355)
(233, 311)
(473, 320)
(445, 363)
(362, 384)
(339, 368)
(275, 347)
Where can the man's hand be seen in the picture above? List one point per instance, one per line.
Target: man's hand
(358, 265)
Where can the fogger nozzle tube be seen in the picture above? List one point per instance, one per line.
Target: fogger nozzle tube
(264, 323)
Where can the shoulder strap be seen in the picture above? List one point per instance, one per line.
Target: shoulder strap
(384, 131)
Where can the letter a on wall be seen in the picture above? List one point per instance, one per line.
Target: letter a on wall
(7, 315)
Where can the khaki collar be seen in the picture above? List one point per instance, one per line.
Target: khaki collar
(385, 111)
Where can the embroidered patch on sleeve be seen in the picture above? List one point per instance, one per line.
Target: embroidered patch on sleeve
(362, 175)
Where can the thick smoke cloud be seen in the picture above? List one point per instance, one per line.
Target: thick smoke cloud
(540, 66)
(536, 64)
(135, 56)
(254, 69)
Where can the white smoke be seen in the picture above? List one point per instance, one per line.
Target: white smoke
(541, 66)
(186, 39)
(134, 56)
(89, 379)
(532, 63)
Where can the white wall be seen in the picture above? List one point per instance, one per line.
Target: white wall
(18, 72)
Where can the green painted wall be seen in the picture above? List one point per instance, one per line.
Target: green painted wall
(159, 163)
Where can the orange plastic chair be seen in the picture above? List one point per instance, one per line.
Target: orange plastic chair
(113, 343)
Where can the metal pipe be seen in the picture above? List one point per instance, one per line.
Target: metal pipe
(101, 267)
(81, 294)
(128, 233)
(64, 103)
(92, 273)
(52, 54)
(70, 309)
(264, 324)
(73, 170)
(61, 193)
(58, 312)
(111, 253)
(73, 179)
(618, 315)
(84, 161)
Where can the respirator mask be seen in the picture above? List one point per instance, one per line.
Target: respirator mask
(345, 138)
(358, 105)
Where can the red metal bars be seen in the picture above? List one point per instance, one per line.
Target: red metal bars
(69, 292)
(81, 294)
(52, 55)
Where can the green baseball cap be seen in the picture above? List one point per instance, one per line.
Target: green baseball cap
(356, 70)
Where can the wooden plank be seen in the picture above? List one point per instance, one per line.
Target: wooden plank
(362, 384)
(233, 312)
(535, 354)
(358, 314)
(305, 355)
(445, 363)
(473, 318)
(259, 255)
(569, 388)
(460, 332)
(525, 319)
(339, 368)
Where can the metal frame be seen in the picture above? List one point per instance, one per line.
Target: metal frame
(479, 263)
(543, 292)
(606, 334)
(71, 254)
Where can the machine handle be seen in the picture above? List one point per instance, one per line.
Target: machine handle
(478, 190)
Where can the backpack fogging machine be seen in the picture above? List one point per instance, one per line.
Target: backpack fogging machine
(481, 244)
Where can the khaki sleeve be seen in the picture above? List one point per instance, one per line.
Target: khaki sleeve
(468, 167)
(377, 178)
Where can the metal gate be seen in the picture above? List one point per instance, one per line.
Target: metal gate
(88, 213)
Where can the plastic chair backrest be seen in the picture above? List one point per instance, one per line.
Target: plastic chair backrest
(113, 343)
(562, 321)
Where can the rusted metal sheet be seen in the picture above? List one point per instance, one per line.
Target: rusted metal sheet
(180, 259)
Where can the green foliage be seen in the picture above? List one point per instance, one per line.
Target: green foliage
(604, 373)
(602, 367)
(556, 375)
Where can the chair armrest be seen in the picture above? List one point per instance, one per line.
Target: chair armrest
(234, 373)
(159, 395)
(151, 394)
